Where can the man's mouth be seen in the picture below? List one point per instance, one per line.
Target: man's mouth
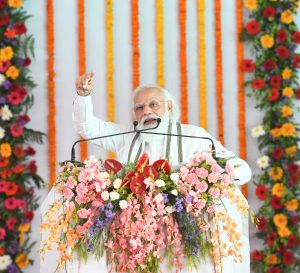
(150, 121)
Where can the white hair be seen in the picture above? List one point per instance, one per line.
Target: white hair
(174, 113)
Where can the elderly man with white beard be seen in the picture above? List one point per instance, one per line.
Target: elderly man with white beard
(149, 103)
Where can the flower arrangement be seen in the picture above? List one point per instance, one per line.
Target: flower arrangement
(141, 214)
(273, 36)
(17, 170)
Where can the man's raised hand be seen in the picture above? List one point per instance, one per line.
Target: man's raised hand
(84, 84)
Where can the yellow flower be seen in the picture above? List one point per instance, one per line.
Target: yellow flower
(6, 54)
(290, 151)
(292, 205)
(276, 132)
(280, 220)
(278, 189)
(267, 41)
(22, 260)
(286, 111)
(288, 92)
(272, 259)
(287, 73)
(284, 232)
(251, 4)
(276, 173)
(287, 17)
(15, 3)
(288, 129)
(22, 238)
(5, 150)
(12, 72)
(24, 227)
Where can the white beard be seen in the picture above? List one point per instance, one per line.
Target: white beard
(162, 128)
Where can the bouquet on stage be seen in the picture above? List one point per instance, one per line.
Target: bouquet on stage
(142, 214)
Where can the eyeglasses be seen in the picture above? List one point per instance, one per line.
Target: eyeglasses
(153, 104)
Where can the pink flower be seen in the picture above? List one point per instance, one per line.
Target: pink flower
(80, 230)
(71, 182)
(16, 130)
(201, 172)
(229, 169)
(2, 233)
(84, 213)
(191, 178)
(67, 193)
(11, 203)
(81, 189)
(204, 227)
(10, 223)
(22, 204)
(213, 177)
(215, 192)
(201, 186)
(211, 209)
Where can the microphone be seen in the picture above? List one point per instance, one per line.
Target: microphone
(112, 135)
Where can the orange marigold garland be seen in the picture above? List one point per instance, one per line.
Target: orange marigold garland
(202, 63)
(273, 37)
(135, 27)
(183, 61)
(160, 42)
(241, 94)
(219, 70)
(51, 93)
(110, 64)
(81, 61)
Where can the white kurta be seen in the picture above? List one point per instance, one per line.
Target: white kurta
(87, 125)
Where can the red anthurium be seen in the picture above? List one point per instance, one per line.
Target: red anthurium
(126, 180)
(142, 163)
(112, 165)
(162, 165)
(32, 168)
(150, 171)
(137, 184)
(26, 62)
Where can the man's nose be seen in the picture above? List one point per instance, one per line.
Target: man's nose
(147, 110)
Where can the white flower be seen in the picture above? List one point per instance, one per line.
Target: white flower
(105, 195)
(2, 132)
(123, 204)
(257, 131)
(5, 113)
(117, 183)
(174, 177)
(2, 79)
(104, 175)
(114, 195)
(5, 261)
(169, 209)
(160, 183)
(174, 192)
(263, 162)
(153, 213)
(158, 198)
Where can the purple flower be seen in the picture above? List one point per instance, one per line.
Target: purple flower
(110, 206)
(12, 269)
(2, 100)
(188, 198)
(6, 84)
(13, 248)
(166, 200)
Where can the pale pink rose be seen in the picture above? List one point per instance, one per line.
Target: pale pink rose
(133, 243)
(83, 213)
(81, 189)
(122, 243)
(71, 182)
(201, 186)
(211, 209)
(216, 168)
(67, 193)
(81, 199)
(200, 204)
(201, 172)
(183, 170)
(191, 178)
(96, 203)
(213, 177)
(215, 192)
(226, 179)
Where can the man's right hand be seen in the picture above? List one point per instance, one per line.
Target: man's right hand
(84, 84)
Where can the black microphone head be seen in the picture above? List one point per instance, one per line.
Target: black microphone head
(158, 120)
(135, 123)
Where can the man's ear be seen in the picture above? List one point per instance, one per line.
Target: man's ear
(170, 106)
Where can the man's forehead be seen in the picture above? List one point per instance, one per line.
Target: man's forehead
(148, 94)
